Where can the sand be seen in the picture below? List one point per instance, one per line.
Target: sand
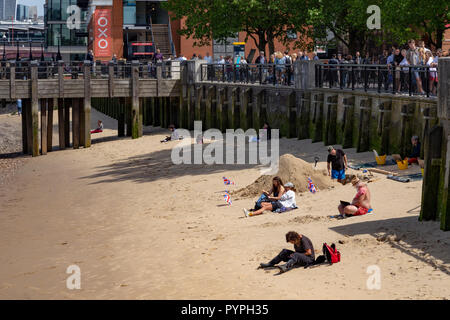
(140, 227)
(291, 169)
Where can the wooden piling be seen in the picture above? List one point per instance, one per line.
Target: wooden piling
(35, 108)
(76, 123)
(433, 161)
(85, 136)
(50, 124)
(43, 126)
(61, 124)
(67, 105)
(24, 129)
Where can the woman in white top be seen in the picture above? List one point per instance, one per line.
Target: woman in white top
(433, 71)
(286, 202)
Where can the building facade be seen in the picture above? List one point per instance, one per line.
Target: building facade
(8, 10)
(70, 42)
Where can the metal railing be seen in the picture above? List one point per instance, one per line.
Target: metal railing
(263, 74)
(411, 80)
(98, 70)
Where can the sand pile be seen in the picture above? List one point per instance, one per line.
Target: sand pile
(291, 169)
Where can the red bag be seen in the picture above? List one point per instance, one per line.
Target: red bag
(331, 254)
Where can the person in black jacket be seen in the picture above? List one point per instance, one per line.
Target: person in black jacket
(302, 256)
(415, 154)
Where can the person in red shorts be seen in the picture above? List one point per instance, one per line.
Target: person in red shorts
(99, 127)
(415, 154)
(361, 202)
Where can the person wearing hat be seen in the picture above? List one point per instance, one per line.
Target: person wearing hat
(361, 202)
(286, 201)
(336, 163)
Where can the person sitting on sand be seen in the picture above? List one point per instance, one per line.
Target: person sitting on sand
(302, 256)
(284, 202)
(360, 204)
(277, 190)
(174, 135)
(99, 127)
(415, 151)
(338, 160)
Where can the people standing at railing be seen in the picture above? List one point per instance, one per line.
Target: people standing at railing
(280, 62)
(289, 68)
(398, 58)
(262, 72)
(432, 78)
(209, 67)
(332, 71)
(358, 60)
(315, 56)
(208, 58)
(158, 57)
(229, 68)
(413, 57)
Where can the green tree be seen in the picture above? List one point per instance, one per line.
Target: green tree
(262, 20)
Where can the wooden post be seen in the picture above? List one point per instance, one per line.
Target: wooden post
(61, 122)
(141, 118)
(86, 107)
(135, 131)
(243, 109)
(76, 123)
(35, 108)
(349, 109)
(24, 128)
(318, 107)
(50, 124)
(364, 125)
(67, 105)
(43, 126)
(303, 114)
(12, 81)
(330, 121)
(208, 107)
(121, 118)
(433, 161)
(29, 124)
(111, 65)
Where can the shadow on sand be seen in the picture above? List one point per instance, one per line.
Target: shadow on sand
(421, 240)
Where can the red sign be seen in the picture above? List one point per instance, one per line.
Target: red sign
(102, 33)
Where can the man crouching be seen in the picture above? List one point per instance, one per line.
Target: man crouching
(303, 254)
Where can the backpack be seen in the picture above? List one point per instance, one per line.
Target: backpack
(331, 254)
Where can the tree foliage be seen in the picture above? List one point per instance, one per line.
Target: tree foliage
(267, 20)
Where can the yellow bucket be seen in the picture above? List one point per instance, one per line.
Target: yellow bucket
(403, 165)
(381, 160)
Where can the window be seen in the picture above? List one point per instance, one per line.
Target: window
(129, 12)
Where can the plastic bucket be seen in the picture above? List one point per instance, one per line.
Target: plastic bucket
(402, 165)
(381, 160)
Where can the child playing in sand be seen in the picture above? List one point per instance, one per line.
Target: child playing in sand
(415, 154)
(174, 135)
(360, 204)
(283, 202)
(99, 127)
(303, 254)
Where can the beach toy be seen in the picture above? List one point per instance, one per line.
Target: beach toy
(227, 181)
(227, 198)
(403, 165)
(311, 186)
(381, 160)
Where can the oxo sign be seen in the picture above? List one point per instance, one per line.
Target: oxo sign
(102, 33)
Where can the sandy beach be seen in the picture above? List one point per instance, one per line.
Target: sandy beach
(140, 227)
